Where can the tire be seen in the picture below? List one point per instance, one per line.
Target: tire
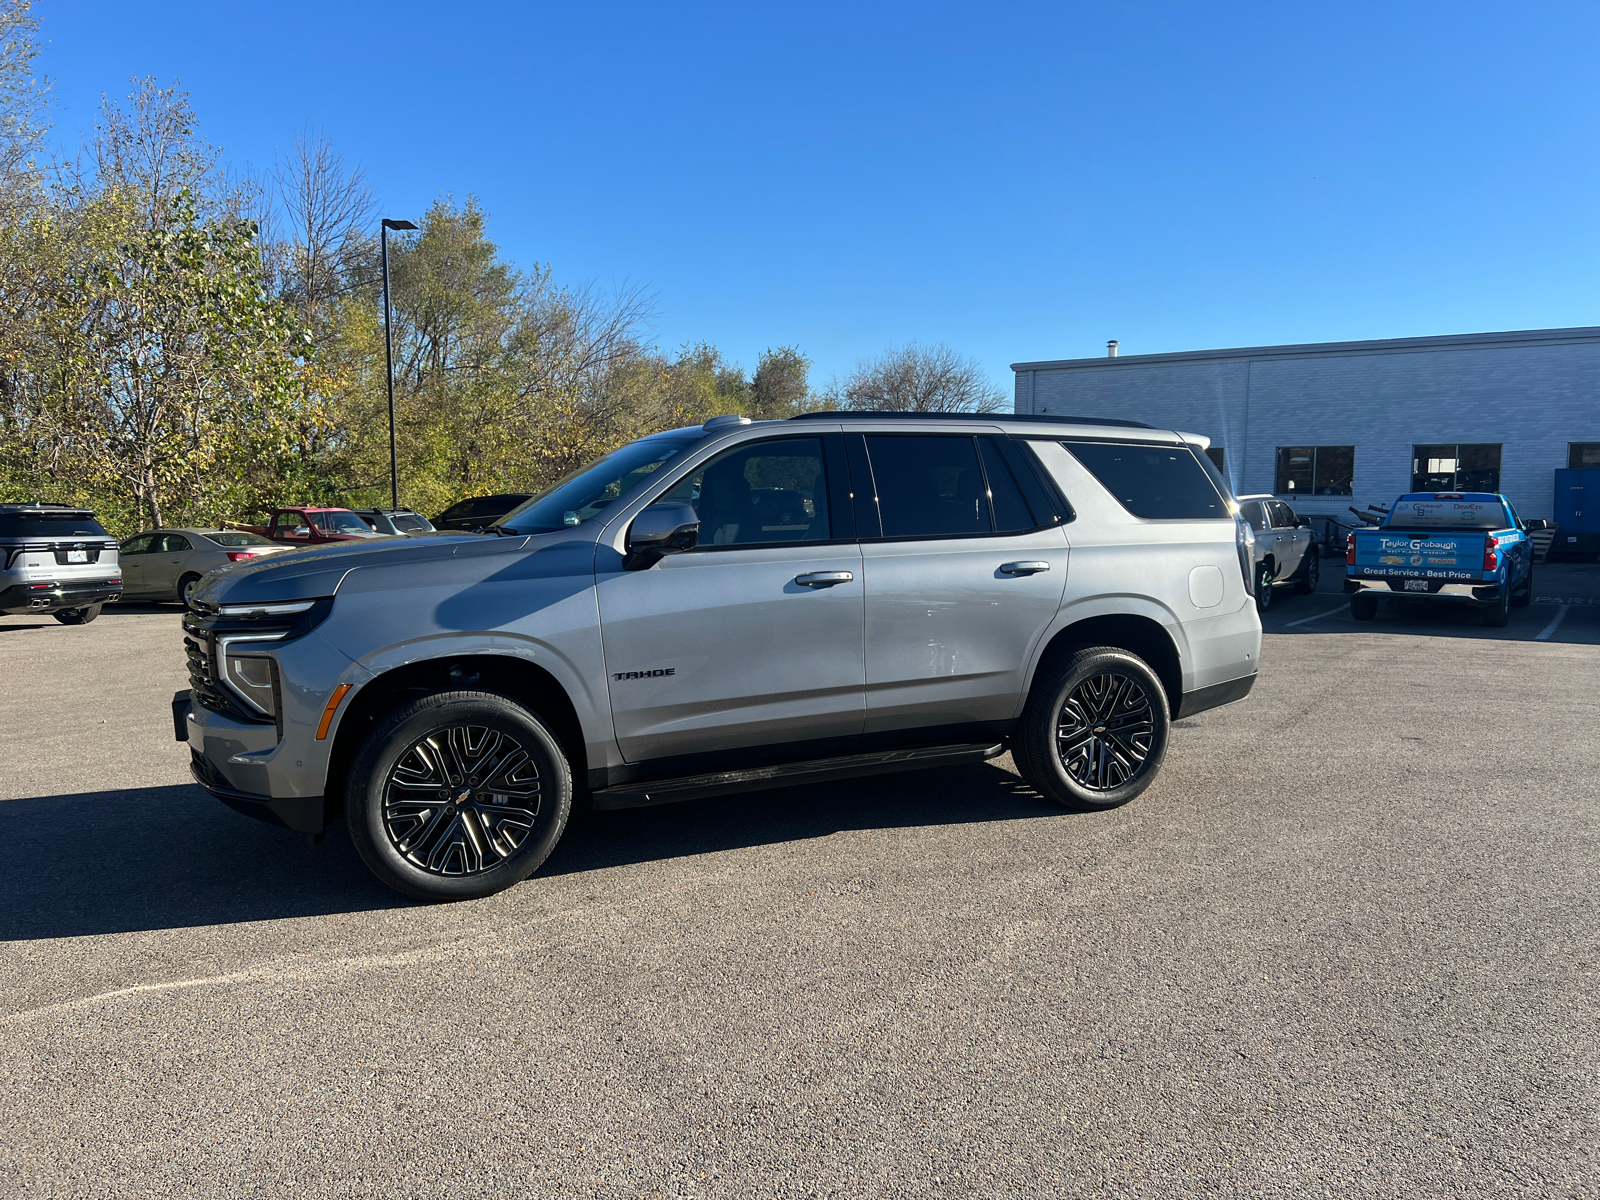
(424, 754)
(78, 616)
(186, 587)
(1263, 588)
(1088, 688)
(1363, 608)
(1310, 572)
(1524, 596)
(1498, 614)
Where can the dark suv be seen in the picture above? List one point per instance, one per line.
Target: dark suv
(56, 559)
(480, 512)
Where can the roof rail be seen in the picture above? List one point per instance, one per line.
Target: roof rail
(1049, 419)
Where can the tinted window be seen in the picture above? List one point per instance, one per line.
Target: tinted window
(412, 524)
(456, 511)
(232, 537)
(49, 525)
(138, 545)
(1011, 512)
(761, 492)
(174, 543)
(1282, 515)
(928, 486)
(1254, 514)
(1153, 482)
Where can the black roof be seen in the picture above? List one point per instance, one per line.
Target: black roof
(1003, 418)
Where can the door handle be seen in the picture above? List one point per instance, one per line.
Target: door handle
(1023, 568)
(823, 579)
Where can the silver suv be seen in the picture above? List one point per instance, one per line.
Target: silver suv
(734, 606)
(56, 559)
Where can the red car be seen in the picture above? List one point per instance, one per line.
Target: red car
(313, 527)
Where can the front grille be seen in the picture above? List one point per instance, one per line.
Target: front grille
(207, 691)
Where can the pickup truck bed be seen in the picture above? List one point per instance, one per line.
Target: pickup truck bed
(1414, 554)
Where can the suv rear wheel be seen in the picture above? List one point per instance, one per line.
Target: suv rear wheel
(1095, 729)
(78, 616)
(458, 794)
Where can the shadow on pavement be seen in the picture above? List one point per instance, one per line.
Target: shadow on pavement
(172, 857)
(1574, 587)
(165, 857)
(977, 793)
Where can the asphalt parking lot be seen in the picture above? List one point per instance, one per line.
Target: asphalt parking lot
(1345, 946)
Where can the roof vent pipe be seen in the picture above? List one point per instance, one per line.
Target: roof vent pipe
(1111, 348)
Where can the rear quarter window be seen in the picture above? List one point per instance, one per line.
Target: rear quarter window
(1157, 483)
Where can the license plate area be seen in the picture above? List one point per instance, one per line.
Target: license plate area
(77, 556)
(1416, 585)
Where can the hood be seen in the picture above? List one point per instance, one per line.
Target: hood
(313, 573)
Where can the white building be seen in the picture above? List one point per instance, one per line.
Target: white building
(1335, 424)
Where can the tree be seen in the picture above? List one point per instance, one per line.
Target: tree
(913, 379)
(781, 387)
(23, 99)
(326, 208)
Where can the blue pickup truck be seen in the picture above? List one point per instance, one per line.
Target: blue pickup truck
(1444, 547)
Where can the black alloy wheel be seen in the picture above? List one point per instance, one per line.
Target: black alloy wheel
(1094, 732)
(77, 616)
(1263, 588)
(458, 794)
(1310, 572)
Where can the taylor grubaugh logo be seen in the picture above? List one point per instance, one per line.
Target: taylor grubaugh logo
(656, 674)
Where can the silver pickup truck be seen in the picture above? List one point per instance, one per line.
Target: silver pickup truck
(734, 606)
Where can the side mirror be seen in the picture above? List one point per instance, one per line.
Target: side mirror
(1536, 525)
(660, 530)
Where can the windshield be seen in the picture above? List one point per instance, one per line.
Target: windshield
(412, 524)
(1449, 511)
(233, 538)
(341, 522)
(589, 490)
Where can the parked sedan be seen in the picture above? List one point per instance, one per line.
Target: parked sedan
(165, 564)
(1285, 550)
(479, 512)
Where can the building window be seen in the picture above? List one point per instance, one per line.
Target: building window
(1218, 456)
(1583, 454)
(1316, 470)
(1459, 467)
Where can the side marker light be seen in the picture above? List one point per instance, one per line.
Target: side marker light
(327, 713)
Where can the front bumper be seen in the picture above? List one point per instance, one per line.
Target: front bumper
(303, 814)
(1449, 593)
(55, 595)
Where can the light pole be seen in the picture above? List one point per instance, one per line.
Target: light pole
(388, 357)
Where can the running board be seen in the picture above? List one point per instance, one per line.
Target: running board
(817, 770)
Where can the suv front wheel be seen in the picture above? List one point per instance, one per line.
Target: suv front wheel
(458, 794)
(1095, 728)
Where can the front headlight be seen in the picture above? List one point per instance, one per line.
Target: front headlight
(249, 674)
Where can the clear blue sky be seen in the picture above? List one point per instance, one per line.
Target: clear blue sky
(1021, 182)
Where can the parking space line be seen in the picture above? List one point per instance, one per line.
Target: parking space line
(1318, 617)
(1555, 623)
